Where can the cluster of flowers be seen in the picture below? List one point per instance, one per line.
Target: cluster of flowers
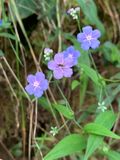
(47, 53)
(61, 66)
(73, 12)
(63, 62)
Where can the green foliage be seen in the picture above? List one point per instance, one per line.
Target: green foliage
(75, 84)
(89, 9)
(93, 75)
(67, 146)
(26, 7)
(111, 52)
(1, 53)
(112, 155)
(17, 150)
(100, 130)
(8, 35)
(64, 110)
(44, 103)
(105, 119)
(83, 105)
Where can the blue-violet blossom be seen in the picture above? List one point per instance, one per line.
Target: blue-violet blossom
(37, 84)
(89, 38)
(61, 66)
(71, 53)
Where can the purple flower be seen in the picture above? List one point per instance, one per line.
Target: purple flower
(89, 38)
(37, 84)
(71, 53)
(61, 66)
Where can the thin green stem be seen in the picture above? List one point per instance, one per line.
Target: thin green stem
(78, 23)
(94, 65)
(59, 25)
(112, 81)
(100, 97)
(67, 103)
(10, 69)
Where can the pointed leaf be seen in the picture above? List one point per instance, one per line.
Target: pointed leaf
(106, 119)
(112, 155)
(64, 110)
(93, 75)
(67, 146)
(90, 11)
(100, 130)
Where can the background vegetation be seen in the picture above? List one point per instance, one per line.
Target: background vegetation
(82, 111)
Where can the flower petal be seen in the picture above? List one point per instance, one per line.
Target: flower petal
(65, 53)
(52, 65)
(30, 89)
(67, 72)
(39, 76)
(69, 62)
(58, 73)
(87, 29)
(81, 37)
(70, 49)
(96, 33)
(95, 44)
(85, 45)
(38, 92)
(59, 58)
(44, 85)
(31, 78)
(77, 53)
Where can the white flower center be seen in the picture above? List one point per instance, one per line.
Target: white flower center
(36, 84)
(70, 56)
(89, 37)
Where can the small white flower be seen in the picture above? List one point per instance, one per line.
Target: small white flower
(77, 9)
(47, 53)
(54, 131)
(101, 106)
(74, 12)
(47, 58)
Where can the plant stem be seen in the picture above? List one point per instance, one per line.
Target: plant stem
(59, 26)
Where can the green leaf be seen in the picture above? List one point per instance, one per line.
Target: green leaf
(112, 155)
(111, 52)
(67, 146)
(44, 103)
(26, 7)
(112, 91)
(89, 9)
(93, 75)
(1, 53)
(105, 119)
(100, 130)
(64, 110)
(8, 35)
(74, 84)
(5, 25)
